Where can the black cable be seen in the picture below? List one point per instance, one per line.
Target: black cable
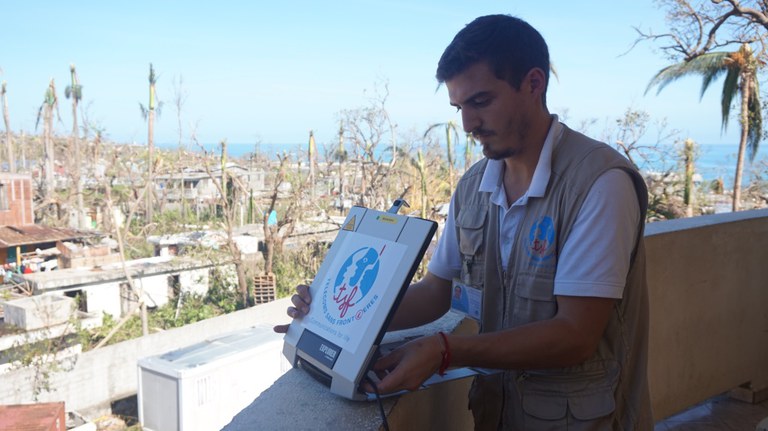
(384, 422)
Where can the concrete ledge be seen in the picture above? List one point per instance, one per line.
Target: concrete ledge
(110, 373)
(38, 311)
(298, 402)
(681, 224)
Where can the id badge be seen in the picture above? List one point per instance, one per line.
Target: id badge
(466, 299)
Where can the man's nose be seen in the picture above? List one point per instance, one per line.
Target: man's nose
(469, 120)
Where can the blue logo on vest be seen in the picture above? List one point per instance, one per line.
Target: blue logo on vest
(541, 240)
(354, 280)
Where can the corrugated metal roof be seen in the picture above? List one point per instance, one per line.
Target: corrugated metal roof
(33, 417)
(12, 236)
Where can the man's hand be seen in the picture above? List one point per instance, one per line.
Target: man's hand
(409, 365)
(301, 301)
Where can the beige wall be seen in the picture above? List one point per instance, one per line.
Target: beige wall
(708, 288)
(708, 292)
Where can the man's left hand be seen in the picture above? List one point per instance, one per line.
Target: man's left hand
(408, 366)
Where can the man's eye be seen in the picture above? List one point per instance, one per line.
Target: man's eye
(458, 108)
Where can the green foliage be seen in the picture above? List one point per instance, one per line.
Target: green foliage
(41, 354)
(171, 221)
(222, 294)
(185, 309)
(298, 267)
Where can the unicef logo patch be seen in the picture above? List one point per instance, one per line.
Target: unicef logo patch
(541, 240)
(350, 287)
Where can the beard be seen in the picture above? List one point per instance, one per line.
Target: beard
(495, 153)
(496, 149)
(499, 154)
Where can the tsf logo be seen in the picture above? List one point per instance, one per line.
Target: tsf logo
(351, 286)
(541, 240)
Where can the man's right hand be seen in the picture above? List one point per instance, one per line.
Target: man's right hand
(301, 300)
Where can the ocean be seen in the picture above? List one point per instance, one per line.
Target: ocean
(713, 161)
(718, 161)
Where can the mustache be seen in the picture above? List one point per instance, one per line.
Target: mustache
(480, 132)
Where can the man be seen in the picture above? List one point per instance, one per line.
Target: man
(548, 230)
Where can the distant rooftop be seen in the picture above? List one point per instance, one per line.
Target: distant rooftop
(12, 236)
(51, 280)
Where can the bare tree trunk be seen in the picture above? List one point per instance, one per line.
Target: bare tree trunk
(742, 145)
(78, 163)
(342, 155)
(151, 143)
(312, 156)
(423, 181)
(23, 147)
(8, 135)
(229, 214)
(179, 100)
(49, 156)
(151, 156)
(688, 194)
(126, 272)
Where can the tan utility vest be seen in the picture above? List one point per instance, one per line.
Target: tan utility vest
(608, 391)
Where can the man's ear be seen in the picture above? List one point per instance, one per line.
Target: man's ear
(536, 81)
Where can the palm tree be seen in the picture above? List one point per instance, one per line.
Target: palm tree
(340, 155)
(312, 160)
(451, 131)
(419, 163)
(50, 103)
(8, 137)
(740, 68)
(469, 151)
(148, 113)
(74, 91)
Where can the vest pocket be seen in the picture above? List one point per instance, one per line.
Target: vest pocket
(470, 222)
(578, 398)
(533, 300)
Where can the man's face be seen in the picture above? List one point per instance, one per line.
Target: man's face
(492, 110)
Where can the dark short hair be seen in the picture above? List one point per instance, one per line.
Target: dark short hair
(509, 45)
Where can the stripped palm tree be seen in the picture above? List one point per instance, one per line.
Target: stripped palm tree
(340, 156)
(420, 164)
(74, 91)
(312, 160)
(148, 113)
(8, 136)
(46, 110)
(469, 151)
(740, 69)
(451, 131)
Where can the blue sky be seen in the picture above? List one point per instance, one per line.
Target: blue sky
(269, 72)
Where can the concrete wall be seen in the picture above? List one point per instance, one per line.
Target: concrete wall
(708, 282)
(110, 373)
(104, 298)
(39, 311)
(708, 287)
(155, 289)
(194, 281)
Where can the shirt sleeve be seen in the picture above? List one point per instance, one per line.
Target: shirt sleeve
(595, 259)
(446, 261)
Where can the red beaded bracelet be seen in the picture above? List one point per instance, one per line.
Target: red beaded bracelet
(446, 355)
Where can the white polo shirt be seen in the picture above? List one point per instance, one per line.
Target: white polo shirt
(595, 259)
